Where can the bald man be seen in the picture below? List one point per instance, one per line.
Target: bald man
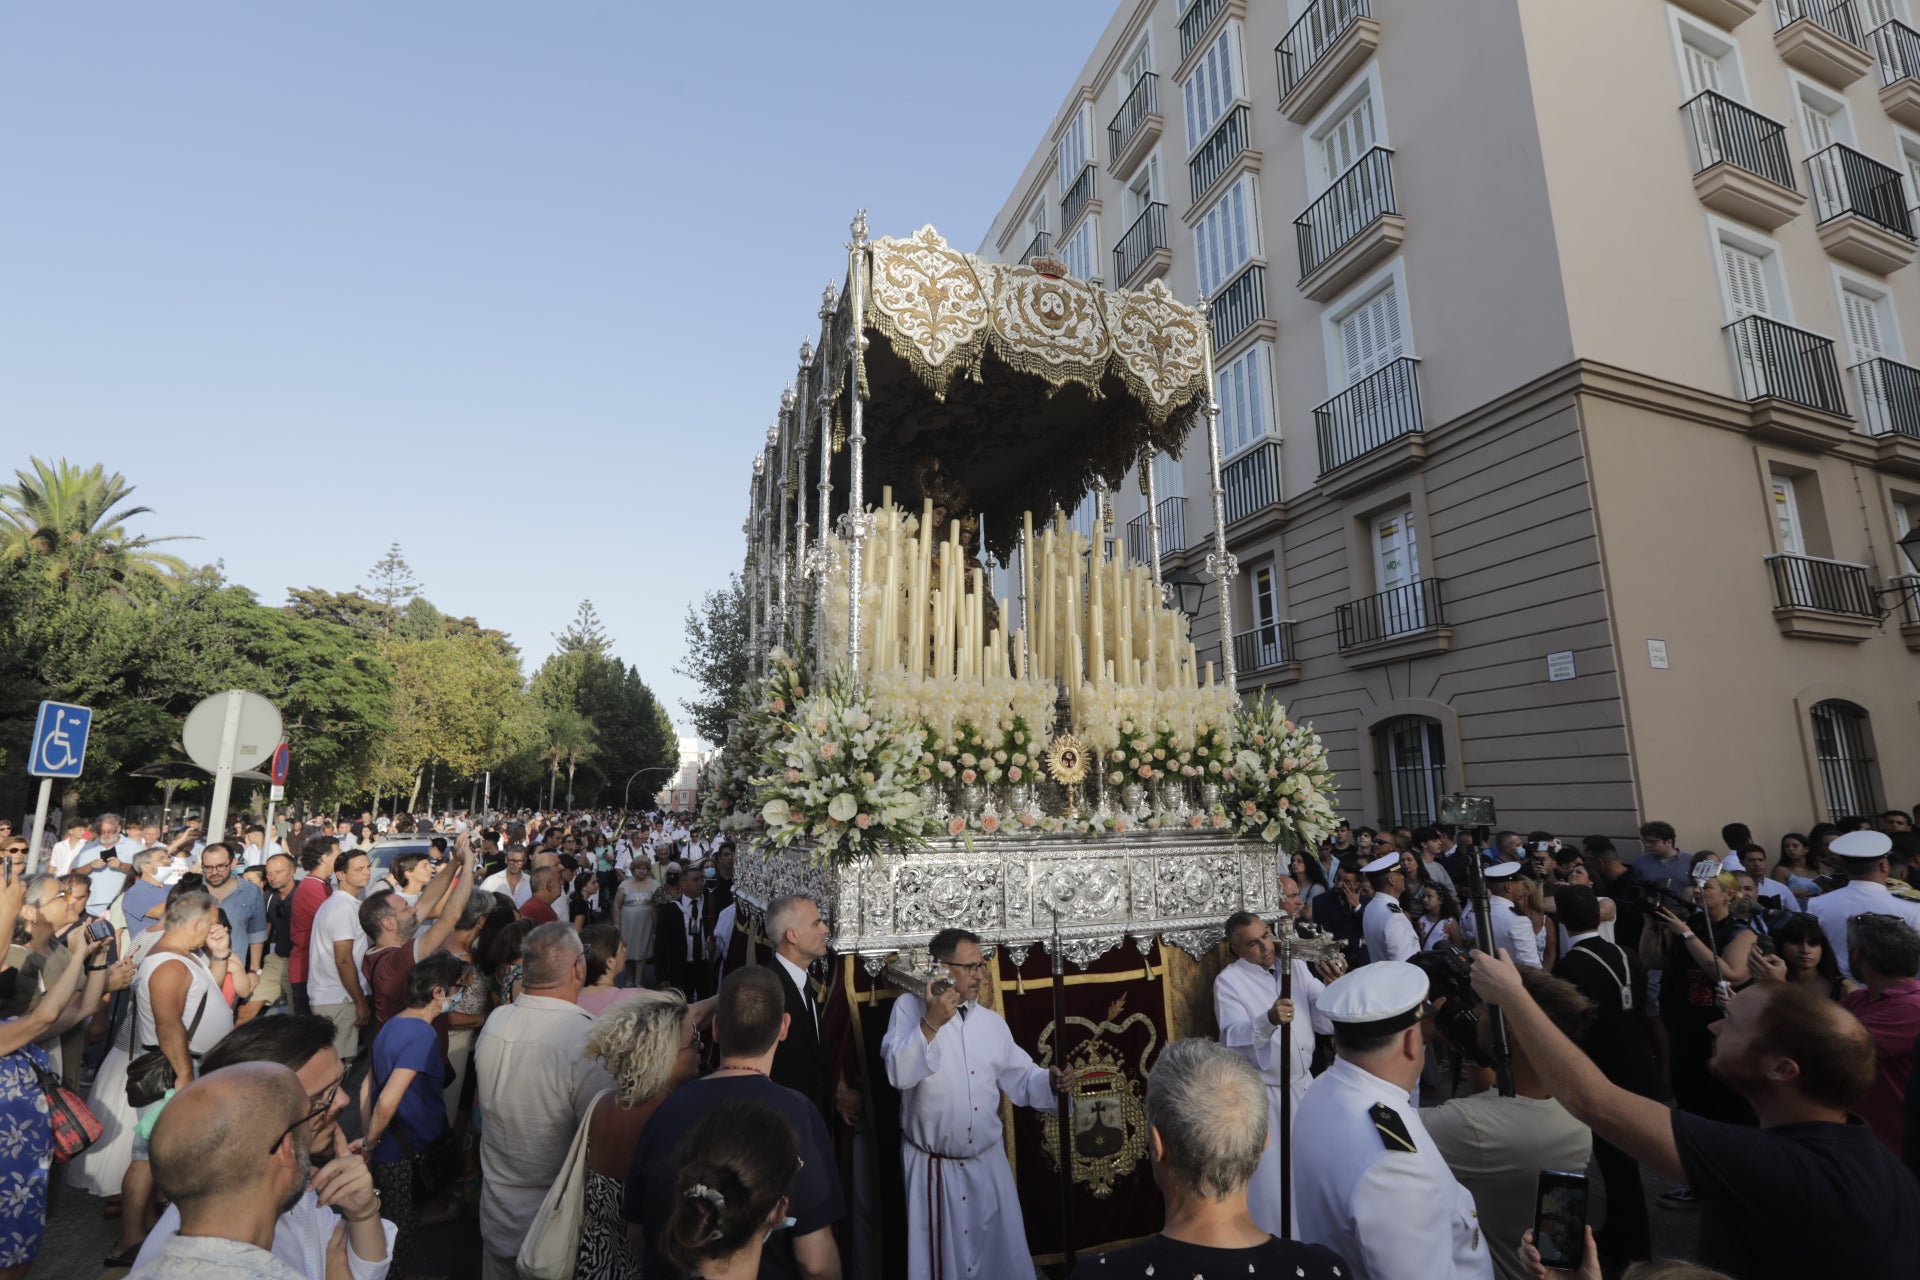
(230, 1151)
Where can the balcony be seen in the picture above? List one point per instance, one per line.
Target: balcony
(1135, 127)
(1896, 48)
(1740, 162)
(1861, 209)
(1039, 247)
(1076, 199)
(1320, 51)
(1888, 394)
(1721, 13)
(1818, 599)
(1143, 246)
(1350, 229)
(1233, 135)
(1266, 650)
(1783, 373)
(1405, 622)
(1821, 38)
(1196, 22)
(1251, 484)
(1173, 531)
(1909, 609)
(1242, 302)
(1377, 418)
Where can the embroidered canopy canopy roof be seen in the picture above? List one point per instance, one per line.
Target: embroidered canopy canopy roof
(1024, 386)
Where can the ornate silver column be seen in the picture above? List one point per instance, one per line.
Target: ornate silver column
(823, 403)
(856, 522)
(796, 494)
(1221, 566)
(1148, 487)
(782, 488)
(751, 585)
(769, 486)
(1026, 588)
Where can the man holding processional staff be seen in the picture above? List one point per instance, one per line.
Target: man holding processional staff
(951, 1059)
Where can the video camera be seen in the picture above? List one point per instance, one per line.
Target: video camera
(1456, 1015)
(1649, 898)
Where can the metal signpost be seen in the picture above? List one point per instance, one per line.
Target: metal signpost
(59, 746)
(277, 771)
(229, 731)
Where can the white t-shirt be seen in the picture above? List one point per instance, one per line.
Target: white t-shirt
(338, 920)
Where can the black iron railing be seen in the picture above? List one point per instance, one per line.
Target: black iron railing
(1401, 611)
(1309, 38)
(1195, 21)
(1229, 138)
(1076, 197)
(1724, 132)
(1896, 47)
(1777, 361)
(1264, 647)
(1039, 247)
(1889, 397)
(1242, 301)
(1375, 411)
(1148, 233)
(1354, 202)
(1844, 181)
(1910, 601)
(1134, 110)
(1826, 586)
(1251, 482)
(1836, 16)
(1173, 531)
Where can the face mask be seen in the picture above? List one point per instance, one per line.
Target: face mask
(785, 1223)
(446, 1006)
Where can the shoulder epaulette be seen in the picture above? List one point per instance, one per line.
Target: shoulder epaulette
(1393, 1130)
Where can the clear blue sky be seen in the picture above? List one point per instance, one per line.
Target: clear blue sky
(517, 284)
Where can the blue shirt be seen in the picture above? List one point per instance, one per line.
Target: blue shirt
(1675, 873)
(246, 909)
(410, 1043)
(140, 898)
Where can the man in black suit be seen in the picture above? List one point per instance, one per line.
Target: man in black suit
(670, 960)
(1612, 977)
(1337, 913)
(804, 1061)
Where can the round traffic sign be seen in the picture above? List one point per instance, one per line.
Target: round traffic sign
(259, 733)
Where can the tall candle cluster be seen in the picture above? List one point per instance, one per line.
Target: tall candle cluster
(1095, 620)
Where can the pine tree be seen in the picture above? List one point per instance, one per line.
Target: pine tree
(393, 586)
(585, 634)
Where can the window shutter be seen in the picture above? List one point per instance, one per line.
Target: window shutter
(1863, 326)
(1349, 139)
(1371, 336)
(1786, 516)
(1702, 68)
(1746, 281)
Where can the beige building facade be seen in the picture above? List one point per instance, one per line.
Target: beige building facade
(1568, 426)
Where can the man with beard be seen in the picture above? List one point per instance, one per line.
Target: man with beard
(1801, 1062)
(396, 941)
(277, 905)
(246, 906)
(337, 1220)
(230, 1152)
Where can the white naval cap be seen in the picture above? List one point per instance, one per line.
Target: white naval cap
(1385, 862)
(1865, 845)
(1502, 871)
(1382, 997)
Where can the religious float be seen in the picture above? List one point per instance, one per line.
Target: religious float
(1055, 768)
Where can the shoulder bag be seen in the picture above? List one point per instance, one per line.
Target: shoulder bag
(75, 1128)
(150, 1074)
(552, 1245)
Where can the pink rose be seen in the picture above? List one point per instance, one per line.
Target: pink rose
(1013, 773)
(829, 749)
(956, 825)
(1249, 808)
(968, 776)
(1028, 819)
(1144, 771)
(1193, 820)
(1219, 819)
(863, 821)
(990, 823)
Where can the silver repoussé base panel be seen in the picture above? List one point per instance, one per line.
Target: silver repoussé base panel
(1178, 887)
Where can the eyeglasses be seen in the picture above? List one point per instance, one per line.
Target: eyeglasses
(694, 1044)
(314, 1114)
(977, 966)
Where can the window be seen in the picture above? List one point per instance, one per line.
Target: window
(1077, 253)
(1875, 14)
(1214, 86)
(1867, 313)
(1909, 165)
(1166, 477)
(1396, 573)
(1823, 117)
(1841, 746)
(1786, 515)
(1037, 220)
(1072, 155)
(1371, 334)
(1707, 58)
(1268, 645)
(1138, 64)
(1343, 132)
(1226, 237)
(1246, 399)
(1748, 278)
(1411, 756)
(1143, 190)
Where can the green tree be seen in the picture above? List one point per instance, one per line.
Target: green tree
(392, 587)
(62, 518)
(570, 742)
(716, 659)
(451, 697)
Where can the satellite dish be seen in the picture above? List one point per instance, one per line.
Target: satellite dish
(257, 733)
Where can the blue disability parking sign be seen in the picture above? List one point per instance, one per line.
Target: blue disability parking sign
(59, 740)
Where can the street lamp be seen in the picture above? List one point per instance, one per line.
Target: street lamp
(627, 794)
(1908, 592)
(1183, 591)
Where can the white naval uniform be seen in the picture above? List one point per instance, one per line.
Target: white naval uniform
(1394, 1214)
(1389, 933)
(961, 1198)
(1242, 995)
(1856, 897)
(1511, 930)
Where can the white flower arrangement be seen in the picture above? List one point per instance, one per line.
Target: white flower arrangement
(1279, 785)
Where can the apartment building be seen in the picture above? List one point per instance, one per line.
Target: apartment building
(1568, 424)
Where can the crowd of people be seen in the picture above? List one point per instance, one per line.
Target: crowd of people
(304, 1046)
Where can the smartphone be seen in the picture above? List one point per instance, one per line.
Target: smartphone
(1560, 1218)
(99, 930)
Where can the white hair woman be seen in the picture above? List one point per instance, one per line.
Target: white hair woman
(649, 1045)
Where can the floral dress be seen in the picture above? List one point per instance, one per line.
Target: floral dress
(26, 1153)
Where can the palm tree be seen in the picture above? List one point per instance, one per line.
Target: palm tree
(64, 517)
(570, 740)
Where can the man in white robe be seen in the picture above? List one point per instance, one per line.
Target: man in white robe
(1250, 1011)
(951, 1059)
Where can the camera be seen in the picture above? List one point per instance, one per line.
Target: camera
(1650, 898)
(1449, 971)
